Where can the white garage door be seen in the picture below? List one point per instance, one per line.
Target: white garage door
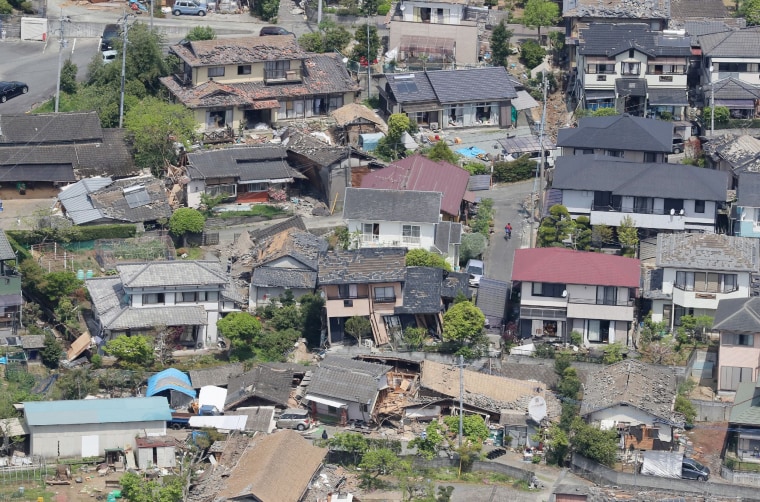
(90, 446)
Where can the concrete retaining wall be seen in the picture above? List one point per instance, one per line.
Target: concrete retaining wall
(742, 478)
(711, 411)
(480, 466)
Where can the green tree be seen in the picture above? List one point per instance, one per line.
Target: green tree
(593, 443)
(240, 329)
(358, 327)
(424, 258)
(532, 54)
(69, 77)
(369, 7)
(75, 384)
(135, 350)
(500, 37)
(186, 220)
(267, 10)
(201, 33)
(517, 170)
(601, 235)
(570, 385)
(363, 51)
(351, 442)
(607, 111)
(154, 127)
(556, 227)
(557, 445)
(557, 41)
(58, 285)
(272, 346)
(473, 245)
(336, 37)
(415, 337)
(52, 351)
(312, 42)
(540, 13)
(613, 353)
(562, 361)
(137, 489)
(696, 326)
(628, 235)
(391, 146)
(722, 114)
(684, 406)
(287, 317)
(463, 323)
(474, 427)
(749, 10)
(441, 152)
(5, 7)
(430, 443)
(376, 462)
(311, 318)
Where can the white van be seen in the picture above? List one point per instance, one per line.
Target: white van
(476, 270)
(109, 56)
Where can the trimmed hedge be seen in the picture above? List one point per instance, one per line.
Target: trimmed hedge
(23, 253)
(74, 234)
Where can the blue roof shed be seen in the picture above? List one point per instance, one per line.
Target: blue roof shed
(97, 411)
(174, 384)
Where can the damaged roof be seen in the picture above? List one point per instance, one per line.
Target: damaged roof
(356, 113)
(259, 163)
(622, 9)
(742, 153)
(217, 375)
(271, 382)
(292, 223)
(711, 252)
(361, 266)
(348, 379)
(422, 291)
(312, 148)
(235, 51)
(647, 387)
(304, 246)
(407, 206)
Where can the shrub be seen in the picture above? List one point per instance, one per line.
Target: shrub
(518, 170)
(532, 54)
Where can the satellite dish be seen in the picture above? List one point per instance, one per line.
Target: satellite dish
(537, 409)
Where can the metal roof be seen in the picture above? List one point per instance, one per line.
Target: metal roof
(479, 182)
(6, 250)
(169, 379)
(97, 411)
(525, 144)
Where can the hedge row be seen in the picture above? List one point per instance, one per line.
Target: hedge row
(73, 234)
(21, 251)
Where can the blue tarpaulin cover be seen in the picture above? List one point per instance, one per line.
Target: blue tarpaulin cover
(471, 152)
(170, 379)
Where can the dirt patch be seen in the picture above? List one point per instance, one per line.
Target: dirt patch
(705, 443)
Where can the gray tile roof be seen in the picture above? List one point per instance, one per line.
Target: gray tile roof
(422, 291)
(667, 97)
(615, 9)
(260, 418)
(746, 408)
(477, 84)
(644, 386)
(245, 163)
(411, 87)
(454, 283)
(108, 297)
(748, 192)
(608, 39)
(347, 379)
(738, 314)
(732, 88)
(284, 278)
(407, 206)
(362, 266)
(50, 128)
(171, 273)
(312, 148)
(216, 375)
(742, 153)
(695, 27)
(76, 201)
(240, 50)
(269, 382)
(543, 372)
(712, 252)
(446, 233)
(492, 299)
(33, 341)
(294, 222)
(739, 43)
(149, 317)
(619, 132)
(593, 172)
(6, 251)
(702, 9)
(631, 87)
(301, 245)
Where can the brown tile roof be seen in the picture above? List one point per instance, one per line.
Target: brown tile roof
(229, 51)
(324, 74)
(352, 112)
(278, 467)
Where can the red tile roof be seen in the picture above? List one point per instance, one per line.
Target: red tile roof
(565, 266)
(424, 175)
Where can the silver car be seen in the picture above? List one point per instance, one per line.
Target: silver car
(294, 418)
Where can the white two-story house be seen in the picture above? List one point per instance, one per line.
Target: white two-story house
(562, 290)
(184, 299)
(698, 271)
(633, 69)
(656, 196)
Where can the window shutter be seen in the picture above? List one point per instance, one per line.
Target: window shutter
(713, 283)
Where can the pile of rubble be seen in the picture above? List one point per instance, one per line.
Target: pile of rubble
(213, 480)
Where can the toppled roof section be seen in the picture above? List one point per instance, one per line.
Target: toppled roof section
(742, 153)
(242, 50)
(361, 266)
(620, 9)
(647, 387)
(301, 245)
(422, 293)
(355, 113)
(348, 379)
(216, 375)
(711, 252)
(254, 163)
(270, 382)
(292, 223)
(312, 148)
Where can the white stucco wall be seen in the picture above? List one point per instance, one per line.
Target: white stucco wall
(391, 234)
(49, 440)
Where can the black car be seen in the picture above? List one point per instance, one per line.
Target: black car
(110, 32)
(692, 469)
(273, 30)
(10, 90)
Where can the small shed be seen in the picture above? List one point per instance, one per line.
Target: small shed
(355, 119)
(155, 451)
(368, 142)
(174, 385)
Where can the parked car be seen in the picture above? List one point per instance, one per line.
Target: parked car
(476, 269)
(677, 145)
(110, 32)
(109, 56)
(189, 8)
(273, 30)
(294, 418)
(12, 89)
(692, 469)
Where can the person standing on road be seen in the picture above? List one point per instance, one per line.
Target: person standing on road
(508, 230)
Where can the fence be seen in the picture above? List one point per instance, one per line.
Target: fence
(742, 478)
(149, 246)
(34, 470)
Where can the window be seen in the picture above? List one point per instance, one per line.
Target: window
(215, 71)
(738, 67)
(615, 153)
(276, 69)
(600, 68)
(665, 78)
(601, 78)
(370, 232)
(650, 157)
(598, 331)
(189, 297)
(699, 206)
(738, 339)
(606, 295)
(348, 291)
(384, 294)
(584, 151)
(548, 289)
(675, 205)
(153, 298)
(706, 282)
(410, 234)
(631, 68)
(212, 296)
(244, 69)
(255, 187)
(643, 205)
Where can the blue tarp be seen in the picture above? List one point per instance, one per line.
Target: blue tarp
(471, 152)
(369, 141)
(170, 379)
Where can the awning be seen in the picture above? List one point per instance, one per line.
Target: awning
(267, 104)
(524, 101)
(423, 107)
(328, 402)
(595, 95)
(736, 104)
(635, 87)
(667, 97)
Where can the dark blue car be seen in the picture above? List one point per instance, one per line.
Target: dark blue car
(10, 90)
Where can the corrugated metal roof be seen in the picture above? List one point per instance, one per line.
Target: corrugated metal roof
(97, 411)
(479, 182)
(169, 379)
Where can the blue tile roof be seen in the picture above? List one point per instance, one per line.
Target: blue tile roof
(97, 411)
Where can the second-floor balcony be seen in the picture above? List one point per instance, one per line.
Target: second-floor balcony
(614, 302)
(282, 76)
(384, 299)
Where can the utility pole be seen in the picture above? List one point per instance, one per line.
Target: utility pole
(124, 28)
(461, 399)
(151, 16)
(319, 12)
(538, 186)
(61, 45)
(369, 61)
(712, 104)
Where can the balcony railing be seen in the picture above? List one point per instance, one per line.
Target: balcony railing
(620, 209)
(347, 297)
(411, 240)
(593, 301)
(280, 76)
(385, 299)
(691, 289)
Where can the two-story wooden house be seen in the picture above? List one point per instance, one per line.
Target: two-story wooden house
(562, 290)
(656, 196)
(698, 271)
(738, 322)
(185, 298)
(243, 82)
